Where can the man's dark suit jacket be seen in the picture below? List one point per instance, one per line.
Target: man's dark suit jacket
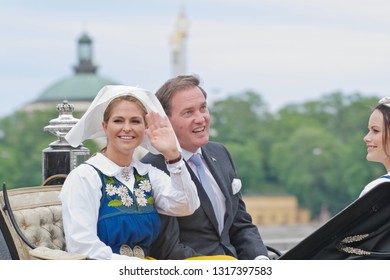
(197, 234)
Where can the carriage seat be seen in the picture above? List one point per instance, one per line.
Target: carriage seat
(31, 223)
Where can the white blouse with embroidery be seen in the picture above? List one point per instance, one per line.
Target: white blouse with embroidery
(174, 195)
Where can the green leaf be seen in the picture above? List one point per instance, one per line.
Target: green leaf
(115, 203)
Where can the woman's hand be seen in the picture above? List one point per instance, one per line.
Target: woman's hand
(161, 135)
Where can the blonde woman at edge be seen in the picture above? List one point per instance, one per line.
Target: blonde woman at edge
(111, 202)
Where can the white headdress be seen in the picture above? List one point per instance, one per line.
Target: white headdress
(90, 124)
(385, 101)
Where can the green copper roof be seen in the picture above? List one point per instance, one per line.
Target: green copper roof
(80, 87)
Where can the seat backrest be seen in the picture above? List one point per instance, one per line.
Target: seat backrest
(37, 212)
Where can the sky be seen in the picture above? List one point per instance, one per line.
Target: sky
(289, 51)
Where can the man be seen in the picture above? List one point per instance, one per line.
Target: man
(221, 227)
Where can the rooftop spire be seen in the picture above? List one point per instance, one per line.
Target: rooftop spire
(84, 52)
(178, 44)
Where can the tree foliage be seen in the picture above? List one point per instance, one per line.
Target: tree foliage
(313, 150)
(248, 155)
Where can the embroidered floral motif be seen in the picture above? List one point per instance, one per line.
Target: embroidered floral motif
(127, 201)
(139, 193)
(122, 191)
(145, 185)
(142, 201)
(122, 196)
(110, 190)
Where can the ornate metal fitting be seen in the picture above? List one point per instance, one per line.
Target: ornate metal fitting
(65, 121)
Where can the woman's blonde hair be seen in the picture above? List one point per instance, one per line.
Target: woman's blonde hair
(108, 112)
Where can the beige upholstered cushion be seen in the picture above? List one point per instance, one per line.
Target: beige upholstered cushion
(43, 253)
(37, 211)
(42, 226)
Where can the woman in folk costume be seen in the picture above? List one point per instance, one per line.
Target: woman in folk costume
(377, 140)
(111, 202)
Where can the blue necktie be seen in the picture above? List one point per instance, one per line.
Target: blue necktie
(197, 160)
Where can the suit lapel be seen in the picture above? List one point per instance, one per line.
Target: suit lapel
(213, 164)
(205, 201)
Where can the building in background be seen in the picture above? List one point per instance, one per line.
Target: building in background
(276, 210)
(179, 45)
(79, 89)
